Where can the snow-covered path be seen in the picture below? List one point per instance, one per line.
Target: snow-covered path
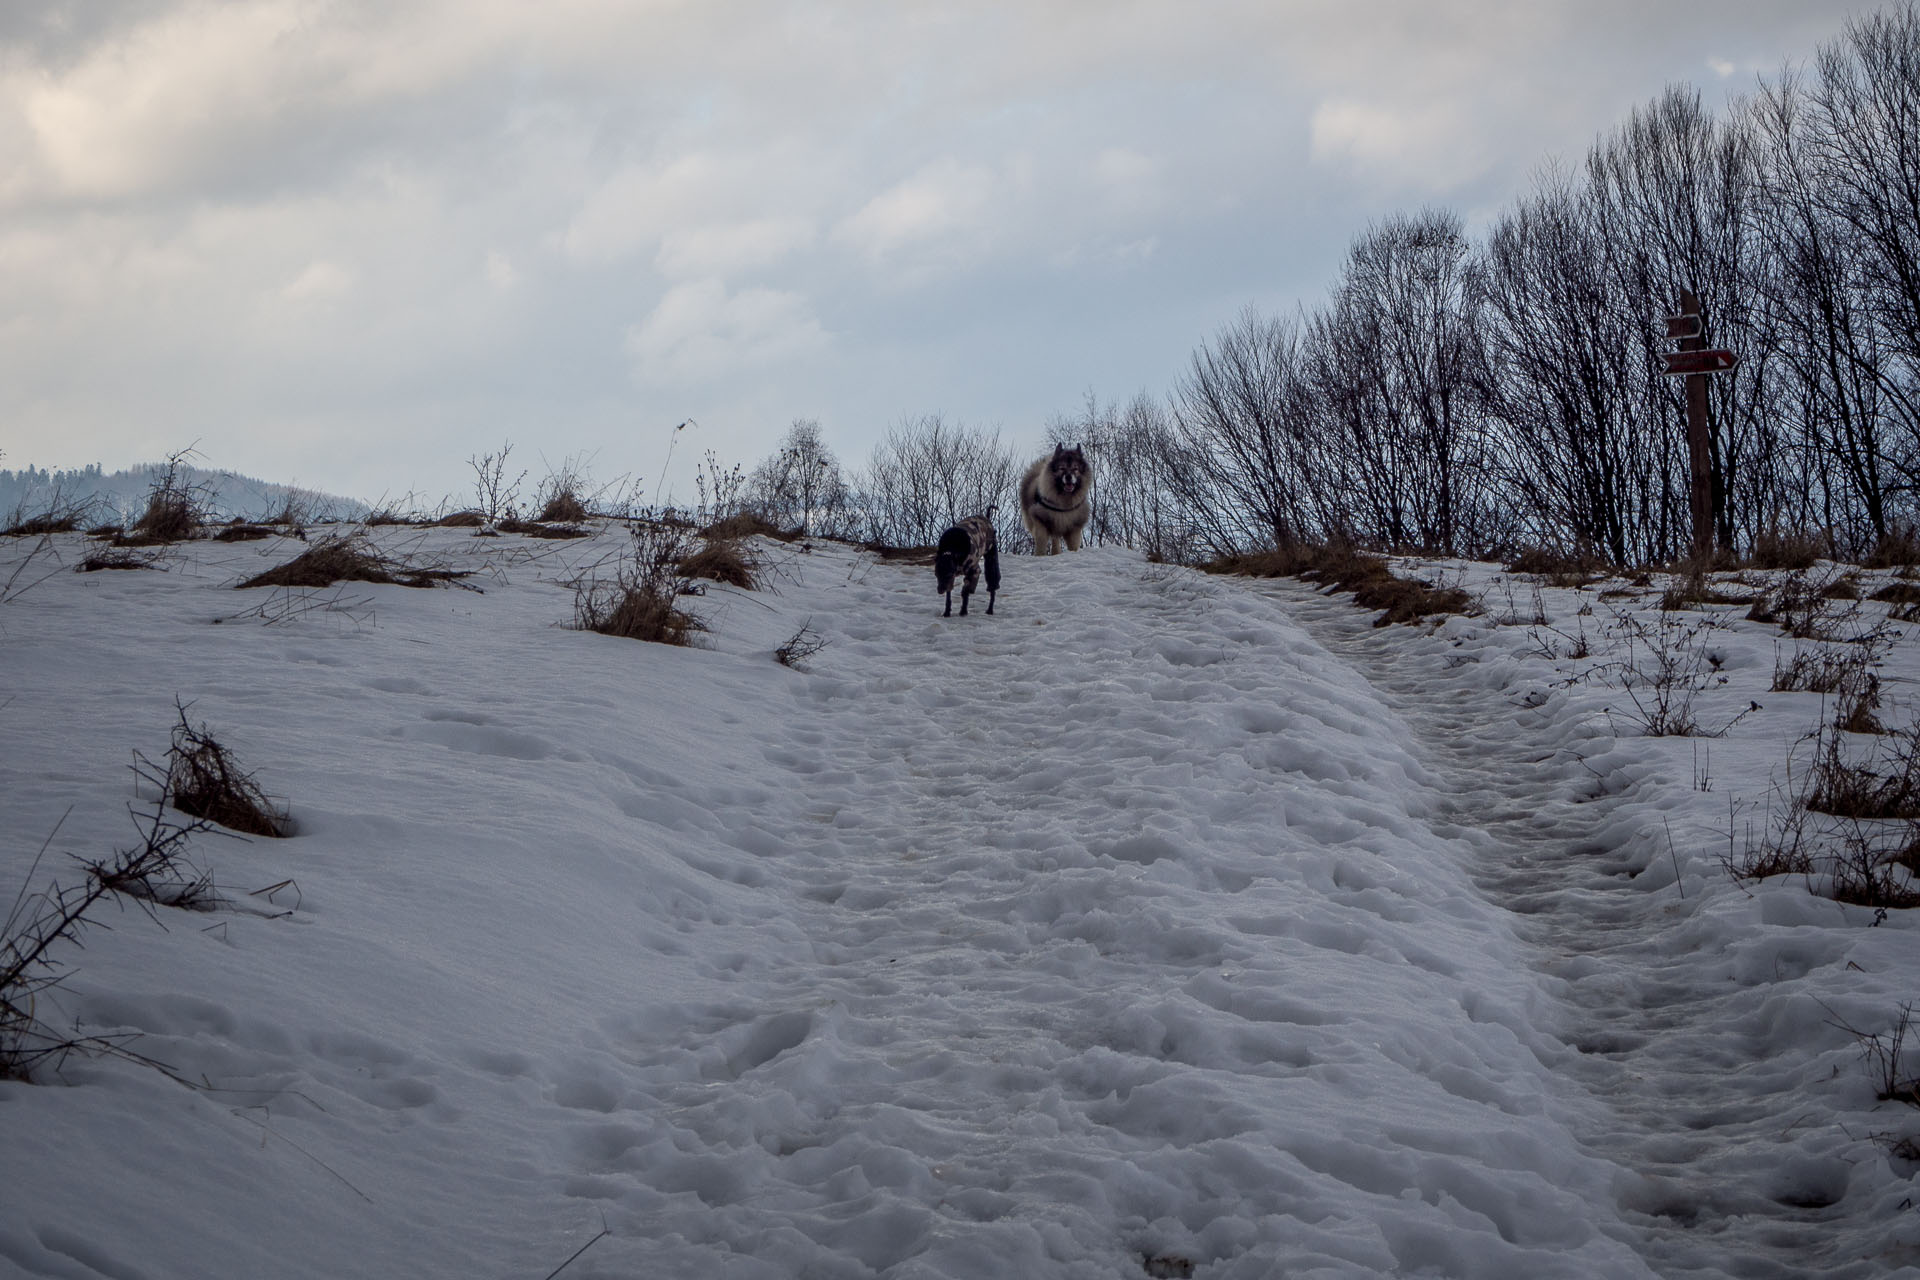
(1135, 930)
(1681, 1034)
(1130, 941)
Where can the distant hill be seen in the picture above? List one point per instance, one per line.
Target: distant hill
(120, 496)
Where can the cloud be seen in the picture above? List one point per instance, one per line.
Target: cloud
(1395, 144)
(935, 220)
(319, 282)
(500, 271)
(701, 331)
(730, 249)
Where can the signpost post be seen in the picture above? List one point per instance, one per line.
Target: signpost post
(1696, 361)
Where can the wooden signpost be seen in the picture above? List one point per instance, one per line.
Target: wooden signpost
(1697, 361)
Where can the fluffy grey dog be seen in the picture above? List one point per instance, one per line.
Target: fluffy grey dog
(1053, 499)
(965, 550)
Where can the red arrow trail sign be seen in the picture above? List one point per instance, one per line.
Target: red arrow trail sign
(1711, 361)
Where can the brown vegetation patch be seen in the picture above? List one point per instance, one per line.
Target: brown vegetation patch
(1897, 548)
(1694, 590)
(116, 560)
(461, 520)
(1900, 593)
(37, 525)
(1340, 568)
(908, 555)
(725, 561)
(1777, 550)
(1845, 787)
(563, 507)
(348, 558)
(171, 516)
(245, 533)
(534, 529)
(749, 525)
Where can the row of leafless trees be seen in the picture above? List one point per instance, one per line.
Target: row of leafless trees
(1475, 396)
(1462, 397)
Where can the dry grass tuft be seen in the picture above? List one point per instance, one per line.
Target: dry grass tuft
(348, 558)
(1898, 548)
(1841, 784)
(1344, 568)
(564, 506)
(1778, 550)
(34, 526)
(725, 561)
(202, 781)
(117, 559)
(461, 520)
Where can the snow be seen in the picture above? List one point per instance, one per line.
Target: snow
(1158, 924)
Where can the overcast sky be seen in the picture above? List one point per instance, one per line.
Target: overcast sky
(351, 243)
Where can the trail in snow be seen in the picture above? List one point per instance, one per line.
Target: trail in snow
(1694, 1106)
(1130, 942)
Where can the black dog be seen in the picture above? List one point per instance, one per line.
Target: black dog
(965, 550)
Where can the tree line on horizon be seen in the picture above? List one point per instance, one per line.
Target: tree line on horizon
(1475, 396)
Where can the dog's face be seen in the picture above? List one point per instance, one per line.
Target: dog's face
(1068, 469)
(945, 566)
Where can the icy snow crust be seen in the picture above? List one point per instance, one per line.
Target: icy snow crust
(1135, 930)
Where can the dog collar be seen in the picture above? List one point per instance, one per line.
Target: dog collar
(1049, 506)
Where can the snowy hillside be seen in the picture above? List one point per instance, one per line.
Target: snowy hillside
(1156, 925)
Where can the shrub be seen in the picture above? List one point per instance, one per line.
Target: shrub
(1776, 550)
(41, 922)
(58, 514)
(203, 781)
(1887, 786)
(175, 509)
(1896, 548)
(800, 646)
(562, 496)
(1825, 670)
(641, 600)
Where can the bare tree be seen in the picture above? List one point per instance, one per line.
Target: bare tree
(800, 483)
(1247, 455)
(1396, 361)
(927, 473)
